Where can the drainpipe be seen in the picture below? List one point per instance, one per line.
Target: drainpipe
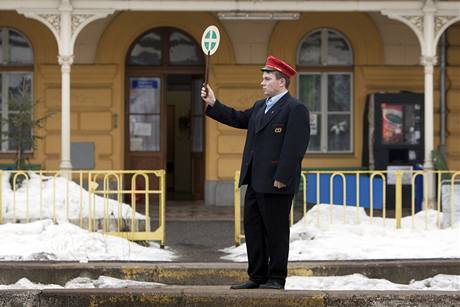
(442, 89)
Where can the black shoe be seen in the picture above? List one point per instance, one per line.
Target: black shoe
(247, 285)
(272, 284)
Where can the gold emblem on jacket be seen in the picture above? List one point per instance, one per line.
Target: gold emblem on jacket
(278, 130)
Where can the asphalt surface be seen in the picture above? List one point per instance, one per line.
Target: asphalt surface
(199, 241)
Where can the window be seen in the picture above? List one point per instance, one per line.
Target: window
(16, 69)
(149, 49)
(325, 82)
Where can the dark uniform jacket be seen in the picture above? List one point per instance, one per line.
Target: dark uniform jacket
(275, 143)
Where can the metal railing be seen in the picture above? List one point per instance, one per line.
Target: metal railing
(116, 203)
(331, 188)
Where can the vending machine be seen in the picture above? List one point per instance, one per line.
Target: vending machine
(394, 139)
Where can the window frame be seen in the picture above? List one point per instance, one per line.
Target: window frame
(165, 43)
(324, 70)
(6, 69)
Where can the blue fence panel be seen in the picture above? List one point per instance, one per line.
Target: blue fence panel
(351, 189)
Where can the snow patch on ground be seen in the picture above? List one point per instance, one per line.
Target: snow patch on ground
(45, 240)
(64, 194)
(363, 238)
(439, 282)
(83, 283)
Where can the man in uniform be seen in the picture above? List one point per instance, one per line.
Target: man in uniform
(278, 132)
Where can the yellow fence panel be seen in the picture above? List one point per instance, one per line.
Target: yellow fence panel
(398, 179)
(115, 202)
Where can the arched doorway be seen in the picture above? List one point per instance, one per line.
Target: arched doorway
(164, 111)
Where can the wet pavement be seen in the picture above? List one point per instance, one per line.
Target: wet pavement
(196, 232)
(198, 241)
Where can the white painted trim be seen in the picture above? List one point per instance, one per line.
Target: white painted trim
(229, 5)
(248, 5)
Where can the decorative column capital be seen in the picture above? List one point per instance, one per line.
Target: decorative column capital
(65, 61)
(428, 60)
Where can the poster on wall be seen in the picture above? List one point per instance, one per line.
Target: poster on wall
(392, 123)
(144, 95)
(144, 114)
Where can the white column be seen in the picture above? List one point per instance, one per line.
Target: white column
(428, 63)
(428, 60)
(65, 23)
(65, 62)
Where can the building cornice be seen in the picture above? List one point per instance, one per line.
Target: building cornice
(233, 5)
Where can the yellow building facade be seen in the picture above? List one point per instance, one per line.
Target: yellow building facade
(385, 59)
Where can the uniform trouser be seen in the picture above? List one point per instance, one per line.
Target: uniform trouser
(266, 230)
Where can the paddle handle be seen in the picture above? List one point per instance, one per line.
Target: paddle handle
(206, 74)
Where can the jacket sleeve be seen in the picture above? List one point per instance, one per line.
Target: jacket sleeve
(229, 116)
(295, 144)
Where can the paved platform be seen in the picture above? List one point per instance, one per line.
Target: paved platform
(221, 296)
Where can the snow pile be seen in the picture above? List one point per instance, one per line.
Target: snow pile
(353, 282)
(65, 194)
(360, 238)
(84, 282)
(45, 240)
(439, 282)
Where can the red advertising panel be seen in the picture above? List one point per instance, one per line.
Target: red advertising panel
(392, 123)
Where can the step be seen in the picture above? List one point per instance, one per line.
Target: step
(204, 296)
(220, 273)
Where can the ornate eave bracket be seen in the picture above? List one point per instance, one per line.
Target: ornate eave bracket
(53, 19)
(80, 19)
(428, 24)
(413, 19)
(442, 21)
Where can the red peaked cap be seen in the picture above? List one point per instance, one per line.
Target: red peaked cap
(273, 63)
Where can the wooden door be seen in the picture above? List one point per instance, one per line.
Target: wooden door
(145, 126)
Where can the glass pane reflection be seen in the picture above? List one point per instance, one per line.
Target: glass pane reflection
(147, 50)
(338, 90)
(338, 50)
(20, 52)
(310, 50)
(183, 50)
(144, 95)
(310, 91)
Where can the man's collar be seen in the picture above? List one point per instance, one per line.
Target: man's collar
(278, 97)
